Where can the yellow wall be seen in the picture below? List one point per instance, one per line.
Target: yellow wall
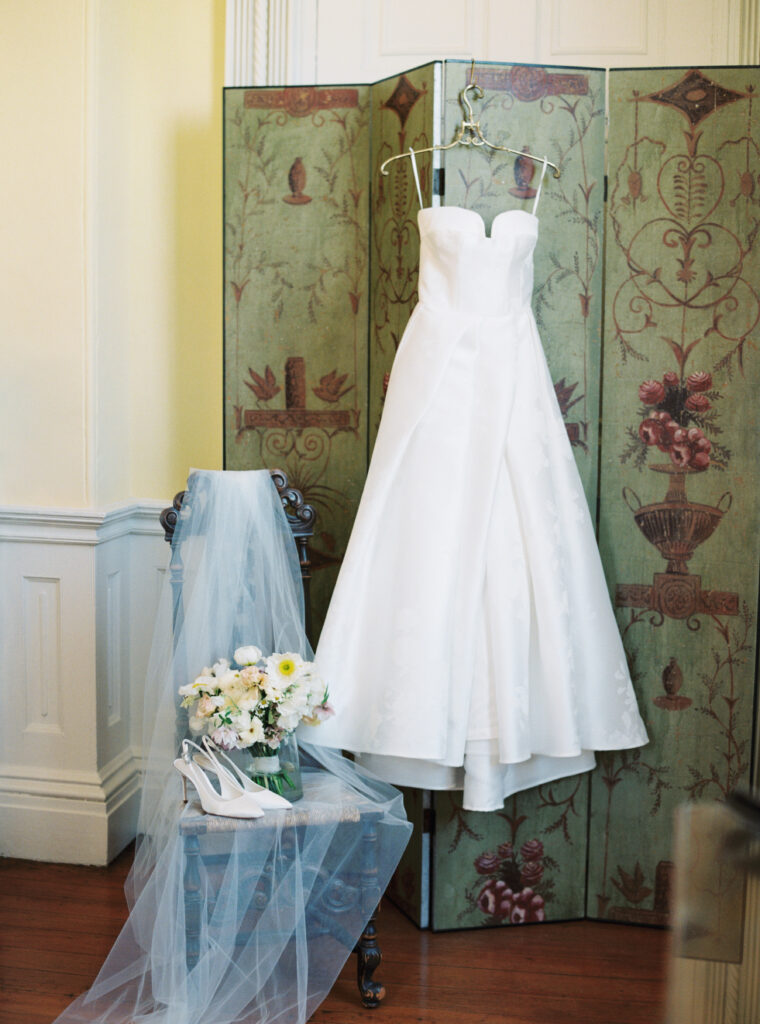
(110, 247)
(44, 355)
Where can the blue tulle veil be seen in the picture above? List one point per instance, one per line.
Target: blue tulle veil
(259, 892)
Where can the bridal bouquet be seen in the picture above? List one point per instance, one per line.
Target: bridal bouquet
(256, 706)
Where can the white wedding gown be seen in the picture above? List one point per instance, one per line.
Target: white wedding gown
(470, 642)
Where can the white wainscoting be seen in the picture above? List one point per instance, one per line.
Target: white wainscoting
(78, 594)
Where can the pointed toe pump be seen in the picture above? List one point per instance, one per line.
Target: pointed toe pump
(214, 759)
(232, 802)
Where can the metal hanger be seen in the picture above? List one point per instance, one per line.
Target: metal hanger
(469, 133)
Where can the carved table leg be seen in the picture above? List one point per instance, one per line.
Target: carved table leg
(368, 955)
(192, 901)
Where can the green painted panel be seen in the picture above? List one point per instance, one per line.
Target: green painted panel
(296, 213)
(522, 865)
(536, 846)
(678, 515)
(557, 112)
(402, 116)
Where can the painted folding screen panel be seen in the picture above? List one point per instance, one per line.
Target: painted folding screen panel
(535, 848)
(679, 481)
(296, 210)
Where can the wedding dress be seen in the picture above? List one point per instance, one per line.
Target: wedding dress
(470, 641)
(253, 897)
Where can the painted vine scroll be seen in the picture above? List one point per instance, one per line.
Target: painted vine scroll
(678, 503)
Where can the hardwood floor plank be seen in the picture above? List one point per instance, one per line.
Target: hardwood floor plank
(57, 923)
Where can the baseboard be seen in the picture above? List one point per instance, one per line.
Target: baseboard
(70, 817)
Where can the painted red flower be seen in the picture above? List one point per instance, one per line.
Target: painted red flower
(701, 460)
(524, 907)
(532, 850)
(651, 392)
(697, 403)
(699, 381)
(487, 863)
(681, 454)
(496, 899)
(650, 432)
(528, 908)
(670, 379)
(505, 851)
(532, 873)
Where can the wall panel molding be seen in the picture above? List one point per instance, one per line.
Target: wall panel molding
(42, 652)
(78, 598)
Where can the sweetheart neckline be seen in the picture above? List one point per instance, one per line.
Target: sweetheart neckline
(479, 217)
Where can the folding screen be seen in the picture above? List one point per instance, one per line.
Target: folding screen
(321, 257)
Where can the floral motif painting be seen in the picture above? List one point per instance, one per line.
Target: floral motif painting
(678, 497)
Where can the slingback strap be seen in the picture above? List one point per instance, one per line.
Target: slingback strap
(415, 172)
(540, 185)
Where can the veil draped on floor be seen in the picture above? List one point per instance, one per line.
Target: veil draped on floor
(279, 905)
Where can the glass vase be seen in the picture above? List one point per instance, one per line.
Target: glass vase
(278, 770)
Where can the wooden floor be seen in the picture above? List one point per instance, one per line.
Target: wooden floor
(57, 923)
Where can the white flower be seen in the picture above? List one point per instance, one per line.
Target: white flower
(289, 721)
(198, 686)
(225, 738)
(250, 701)
(317, 688)
(220, 667)
(228, 681)
(196, 725)
(247, 655)
(284, 669)
(241, 721)
(253, 735)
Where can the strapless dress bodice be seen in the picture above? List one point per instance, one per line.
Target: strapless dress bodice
(463, 270)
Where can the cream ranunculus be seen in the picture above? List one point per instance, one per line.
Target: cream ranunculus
(206, 706)
(228, 681)
(247, 655)
(220, 667)
(250, 700)
(197, 725)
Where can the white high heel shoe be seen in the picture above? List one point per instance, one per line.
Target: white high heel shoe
(211, 759)
(230, 803)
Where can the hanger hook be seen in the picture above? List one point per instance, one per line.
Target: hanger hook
(464, 99)
(472, 72)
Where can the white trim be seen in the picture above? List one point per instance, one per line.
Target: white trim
(68, 816)
(270, 42)
(79, 526)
